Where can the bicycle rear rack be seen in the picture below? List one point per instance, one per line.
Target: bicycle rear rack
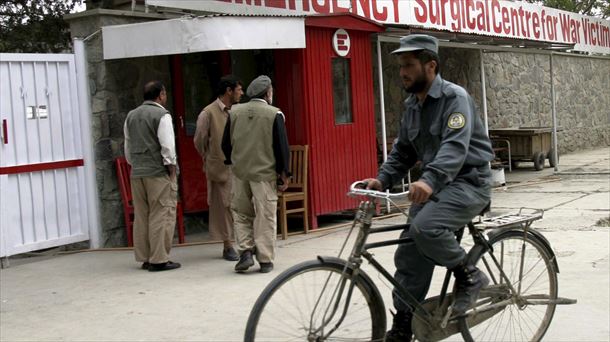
(509, 220)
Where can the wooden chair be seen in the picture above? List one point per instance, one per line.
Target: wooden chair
(297, 189)
(123, 171)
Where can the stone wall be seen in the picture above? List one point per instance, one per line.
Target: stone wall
(582, 86)
(518, 89)
(519, 94)
(116, 88)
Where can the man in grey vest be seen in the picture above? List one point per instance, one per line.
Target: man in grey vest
(255, 143)
(150, 150)
(440, 128)
(208, 137)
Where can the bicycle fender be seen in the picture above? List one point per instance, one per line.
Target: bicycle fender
(534, 235)
(342, 262)
(546, 244)
(361, 274)
(333, 260)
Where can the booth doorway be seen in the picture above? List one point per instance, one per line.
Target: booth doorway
(194, 80)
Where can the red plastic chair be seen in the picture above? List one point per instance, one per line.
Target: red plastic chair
(123, 171)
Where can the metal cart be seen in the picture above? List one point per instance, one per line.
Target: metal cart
(526, 144)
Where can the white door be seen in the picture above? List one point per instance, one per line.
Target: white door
(42, 181)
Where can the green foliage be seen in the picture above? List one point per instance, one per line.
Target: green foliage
(597, 8)
(35, 26)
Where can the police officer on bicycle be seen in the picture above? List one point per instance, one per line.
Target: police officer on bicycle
(440, 128)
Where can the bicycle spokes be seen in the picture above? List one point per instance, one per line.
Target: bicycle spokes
(522, 273)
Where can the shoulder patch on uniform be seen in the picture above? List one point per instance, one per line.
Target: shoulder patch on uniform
(456, 120)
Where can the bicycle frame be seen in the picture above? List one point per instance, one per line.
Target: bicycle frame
(361, 249)
(510, 235)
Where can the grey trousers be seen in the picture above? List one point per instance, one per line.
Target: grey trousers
(432, 227)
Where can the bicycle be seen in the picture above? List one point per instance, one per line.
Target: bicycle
(330, 298)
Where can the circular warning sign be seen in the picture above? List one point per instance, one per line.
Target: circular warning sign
(341, 43)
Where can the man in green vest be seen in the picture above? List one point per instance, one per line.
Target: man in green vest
(150, 150)
(255, 143)
(208, 136)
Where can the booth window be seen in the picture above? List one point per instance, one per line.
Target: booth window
(342, 90)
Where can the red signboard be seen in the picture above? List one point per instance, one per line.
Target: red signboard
(507, 19)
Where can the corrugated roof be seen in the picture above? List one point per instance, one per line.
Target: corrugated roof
(212, 15)
(476, 39)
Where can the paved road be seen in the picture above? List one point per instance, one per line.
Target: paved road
(103, 296)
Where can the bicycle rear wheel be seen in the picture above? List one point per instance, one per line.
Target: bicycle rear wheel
(308, 303)
(528, 265)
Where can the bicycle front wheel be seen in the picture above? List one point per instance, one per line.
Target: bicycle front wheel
(318, 300)
(524, 312)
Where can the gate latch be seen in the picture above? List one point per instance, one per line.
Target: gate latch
(4, 132)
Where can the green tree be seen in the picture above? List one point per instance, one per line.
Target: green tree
(597, 8)
(35, 25)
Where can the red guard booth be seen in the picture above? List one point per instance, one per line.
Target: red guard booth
(326, 92)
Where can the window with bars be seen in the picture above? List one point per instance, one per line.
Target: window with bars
(342, 90)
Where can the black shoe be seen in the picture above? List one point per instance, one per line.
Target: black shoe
(230, 254)
(266, 267)
(401, 327)
(145, 265)
(469, 281)
(245, 262)
(166, 266)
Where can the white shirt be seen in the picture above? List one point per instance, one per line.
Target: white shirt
(165, 134)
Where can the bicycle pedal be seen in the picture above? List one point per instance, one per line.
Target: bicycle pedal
(446, 318)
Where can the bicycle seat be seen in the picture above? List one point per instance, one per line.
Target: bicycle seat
(486, 209)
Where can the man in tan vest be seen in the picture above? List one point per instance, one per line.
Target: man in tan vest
(255, 143)
(208, 137)
(150, 150)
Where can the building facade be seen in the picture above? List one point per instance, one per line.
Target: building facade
(517, 94)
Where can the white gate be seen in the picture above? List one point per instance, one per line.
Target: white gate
(42, 177)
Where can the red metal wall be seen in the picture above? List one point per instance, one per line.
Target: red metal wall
(289, 94)
(339, 154)
(193, 186)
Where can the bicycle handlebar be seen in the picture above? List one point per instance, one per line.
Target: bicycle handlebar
(359, 188)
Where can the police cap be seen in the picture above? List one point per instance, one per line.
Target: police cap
(414, 42)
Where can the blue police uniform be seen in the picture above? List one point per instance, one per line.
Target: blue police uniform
(448, 137)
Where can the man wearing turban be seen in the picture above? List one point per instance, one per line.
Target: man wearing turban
(255, 144)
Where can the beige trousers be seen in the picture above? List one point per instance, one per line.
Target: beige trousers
(154, 203)
(254, 206)
(220, 219)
